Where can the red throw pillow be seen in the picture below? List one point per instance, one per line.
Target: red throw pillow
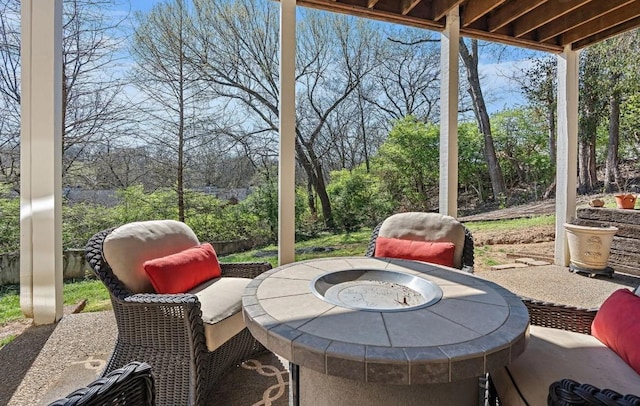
(440, 253)
(183, 271)
(617, 325)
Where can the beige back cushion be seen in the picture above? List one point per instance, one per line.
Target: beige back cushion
(127, 248)
(420, 226)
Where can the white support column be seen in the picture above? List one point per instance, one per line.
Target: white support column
(449, 82)
(567, 156)
(286, 167)
(41, 161)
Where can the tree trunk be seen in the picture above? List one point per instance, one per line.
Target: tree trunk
(181, 120)
(612, 174)
(321, 190)
(593, 168)
(551, 119)
(585, 166)
(311, 200)
(363, 129)
(313, 169)
(587, 178)
(470, 60)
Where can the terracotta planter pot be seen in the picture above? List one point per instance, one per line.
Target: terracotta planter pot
(625, 201)
(589, 246)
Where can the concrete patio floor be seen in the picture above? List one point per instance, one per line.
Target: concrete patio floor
(47, 362)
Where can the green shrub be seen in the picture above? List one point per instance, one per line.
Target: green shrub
(357, 199)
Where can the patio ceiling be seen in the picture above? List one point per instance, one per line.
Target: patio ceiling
(547, 25)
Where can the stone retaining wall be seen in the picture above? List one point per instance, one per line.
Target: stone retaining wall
(625, 249)
(75, 266)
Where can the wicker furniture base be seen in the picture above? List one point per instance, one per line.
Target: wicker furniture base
(567, 392)
(132, 384)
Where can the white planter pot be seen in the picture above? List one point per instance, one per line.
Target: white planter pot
(589, 246)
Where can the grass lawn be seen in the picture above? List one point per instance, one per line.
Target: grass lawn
(74, 291)
(328, 245)
(510, 225)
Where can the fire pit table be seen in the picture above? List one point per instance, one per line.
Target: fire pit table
(381, 331)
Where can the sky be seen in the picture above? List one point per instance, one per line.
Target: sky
(499, 90)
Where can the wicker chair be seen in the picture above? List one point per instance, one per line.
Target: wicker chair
(167, 331)
(428, 219)
(132, 384)
(568, 318)
(567, 392)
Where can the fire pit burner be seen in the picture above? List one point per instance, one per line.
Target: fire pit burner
(376, 290)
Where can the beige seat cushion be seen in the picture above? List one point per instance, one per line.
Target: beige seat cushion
(426, 227)
(221, 304)
(127, 248)
(554, 354)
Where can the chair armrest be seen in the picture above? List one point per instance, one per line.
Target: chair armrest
(371, 246)
(569, 392)
(559, 316)
(244, 269)
(132, 384)
(165, 322)
(187, 299)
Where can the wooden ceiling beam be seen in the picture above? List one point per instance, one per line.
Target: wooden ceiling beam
(546, 25)
(375, 14)
(473, 10)
(602, 23)
(512, 11)
(544, 14)
(407, 5)
(509, 40)
(611, 32)
(580, 16)
(440, 8)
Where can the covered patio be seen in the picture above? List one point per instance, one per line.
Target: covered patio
(558, 26)
(563, 27)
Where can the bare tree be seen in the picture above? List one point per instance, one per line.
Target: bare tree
(176, 100)
(94, 108)
(539, 84)
(121, 166)
(10, 92)
(619, 70)
(407, 78)
(237, 51)
(470, 59)
(591, 108)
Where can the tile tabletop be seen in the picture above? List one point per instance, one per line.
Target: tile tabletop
(476, 326)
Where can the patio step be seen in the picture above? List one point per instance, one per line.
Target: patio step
(539, 257)
(508, 266)
(520, 263)
(532, 261)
